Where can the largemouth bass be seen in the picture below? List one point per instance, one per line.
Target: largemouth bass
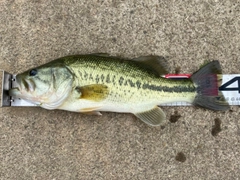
(98, 82)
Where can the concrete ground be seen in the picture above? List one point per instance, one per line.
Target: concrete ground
(194, 144)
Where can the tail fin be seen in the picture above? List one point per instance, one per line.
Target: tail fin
(207, 81)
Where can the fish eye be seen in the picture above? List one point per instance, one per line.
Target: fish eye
(33, 72)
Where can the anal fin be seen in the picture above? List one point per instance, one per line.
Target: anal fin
(152, 117)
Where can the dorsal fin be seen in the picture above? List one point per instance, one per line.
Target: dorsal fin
(101, 54)
(155, 63)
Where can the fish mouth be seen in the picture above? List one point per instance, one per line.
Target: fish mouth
(14, 92)
(28, 85)
(21, 86)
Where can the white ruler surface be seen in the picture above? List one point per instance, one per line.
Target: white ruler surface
(231, 88)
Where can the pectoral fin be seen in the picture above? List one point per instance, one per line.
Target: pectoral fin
(152, 117)
(94, 92)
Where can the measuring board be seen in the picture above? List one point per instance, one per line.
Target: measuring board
(230, 88)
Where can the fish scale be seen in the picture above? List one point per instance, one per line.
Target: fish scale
(150, 86)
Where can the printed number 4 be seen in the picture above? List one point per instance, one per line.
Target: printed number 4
(225, 87)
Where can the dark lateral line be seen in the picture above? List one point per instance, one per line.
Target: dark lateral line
(139, 85)
(177, 89)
